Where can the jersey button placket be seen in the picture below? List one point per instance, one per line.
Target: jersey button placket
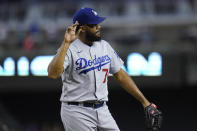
(91, 50)
(98, 93)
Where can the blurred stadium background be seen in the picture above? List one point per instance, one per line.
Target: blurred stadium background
(33, 29)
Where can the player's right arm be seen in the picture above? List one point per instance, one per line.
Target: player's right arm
(55, 67)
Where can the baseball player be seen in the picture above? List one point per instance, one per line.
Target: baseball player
(84, 62)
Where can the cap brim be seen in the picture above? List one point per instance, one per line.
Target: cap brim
(98, 20)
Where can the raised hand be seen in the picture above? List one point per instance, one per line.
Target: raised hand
(71, 34)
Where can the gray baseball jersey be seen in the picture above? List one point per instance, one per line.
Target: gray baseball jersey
(86, 70)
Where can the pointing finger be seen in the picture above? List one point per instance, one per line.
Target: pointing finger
(76, 23)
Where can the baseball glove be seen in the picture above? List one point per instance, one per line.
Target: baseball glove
(153, 118)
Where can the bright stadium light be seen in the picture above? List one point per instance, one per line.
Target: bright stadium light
(23, 66)
(39, 65)
(138, 65)
(8, 68)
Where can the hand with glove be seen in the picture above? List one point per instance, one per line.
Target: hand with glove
(153, 118)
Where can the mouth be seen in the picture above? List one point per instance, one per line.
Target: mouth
(98, 32)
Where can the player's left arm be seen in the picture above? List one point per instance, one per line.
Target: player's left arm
(128, 84)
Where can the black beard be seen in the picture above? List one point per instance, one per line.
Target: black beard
(92, 37)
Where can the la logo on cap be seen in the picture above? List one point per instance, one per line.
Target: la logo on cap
(95, 13)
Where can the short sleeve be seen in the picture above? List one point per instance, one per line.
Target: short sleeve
(67, 59)
(116, 61)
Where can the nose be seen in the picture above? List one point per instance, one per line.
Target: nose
(98, 26)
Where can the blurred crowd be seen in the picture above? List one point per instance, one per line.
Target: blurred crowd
(32, 25)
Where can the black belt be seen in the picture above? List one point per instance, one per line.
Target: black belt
(88, 104)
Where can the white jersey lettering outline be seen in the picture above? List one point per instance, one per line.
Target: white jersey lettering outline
(84, 63)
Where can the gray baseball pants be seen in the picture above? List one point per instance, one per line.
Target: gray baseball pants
(79, 118)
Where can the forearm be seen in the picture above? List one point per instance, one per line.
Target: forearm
(55, 67)
(132, 89)
(128, 84)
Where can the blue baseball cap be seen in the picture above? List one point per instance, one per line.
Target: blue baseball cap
(87, 16)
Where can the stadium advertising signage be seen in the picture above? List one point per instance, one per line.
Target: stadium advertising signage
(135, 65)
